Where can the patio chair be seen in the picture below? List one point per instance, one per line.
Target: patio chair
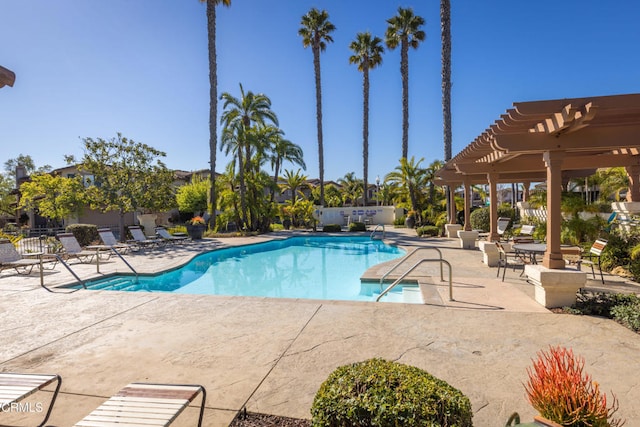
(11, 258)
(16, 387)
(508, 258)
(502, 225)
(72, 249)
(593, 257)
(141, 240)
(169, 238)
(145, 404)
(525, 235)
(110, 241)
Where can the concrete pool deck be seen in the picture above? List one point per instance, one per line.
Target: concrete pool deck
(271, 355)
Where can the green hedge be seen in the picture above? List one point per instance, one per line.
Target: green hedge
(377, 392)
(85, 234)
(331, 228)
(357, 226)
(428, 230)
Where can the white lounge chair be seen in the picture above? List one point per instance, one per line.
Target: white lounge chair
(141, 240)
(11, 258)
(72, 248)
(169, 238)
(502, 225)
(110, 241)
(15, 387)
(141, 404)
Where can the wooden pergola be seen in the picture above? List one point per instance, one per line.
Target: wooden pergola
(7, 77)
(551, 141)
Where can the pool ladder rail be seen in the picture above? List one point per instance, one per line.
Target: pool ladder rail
(439, 260)
(376, 228)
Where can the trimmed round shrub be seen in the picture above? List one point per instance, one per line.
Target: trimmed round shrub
(331, 228)
(357, 226)
(85, 234)
(428, 230)
(377, 392)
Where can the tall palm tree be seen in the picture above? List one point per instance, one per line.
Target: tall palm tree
(445, 34)
(367, 55)
(237, 118)
(213, 97)
(316, 32)
(404, 30)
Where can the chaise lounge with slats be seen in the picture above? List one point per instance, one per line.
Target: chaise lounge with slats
(16, 387)
(145, 405)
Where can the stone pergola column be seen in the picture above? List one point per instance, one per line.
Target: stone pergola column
(525, 191)
(452, 204)
(553, 256)
(492, 178)
(633, 172)
(468, 197)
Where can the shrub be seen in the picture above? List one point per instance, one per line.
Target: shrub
(628, 315)
(428, 230)
(357, 226)
(381, 393)
(561, 391)
(276, 227)
(480, 218)
(399, 221)
(601, 303)
(331, 228)
(85, 234)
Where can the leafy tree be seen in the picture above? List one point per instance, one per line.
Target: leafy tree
(192, 197)
(55, 197)
(128, 176)
(316, 32)
(612, 182)
(367, 55)
(404, 30)
(410, 178)
(213, 95)
(26, 161)
(6, 198)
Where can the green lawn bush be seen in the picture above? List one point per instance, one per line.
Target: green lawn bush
(357, 226)
(331, 228)
(480, 218)
(377, 392)
(628, 315)
(428, 230)
(85, 234)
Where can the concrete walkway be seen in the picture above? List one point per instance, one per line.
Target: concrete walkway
(271, 355)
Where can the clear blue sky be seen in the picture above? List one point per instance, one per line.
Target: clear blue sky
(140, 67)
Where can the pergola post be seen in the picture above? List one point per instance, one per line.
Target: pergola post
(467, 204)
(553, 256)
(452, 204)
(493, 206)
(525, 190)
(633, 172)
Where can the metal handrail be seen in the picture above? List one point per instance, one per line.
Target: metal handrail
(405, 258)
(376, 229)
(61, 260)
(125, 261)
(416, 265)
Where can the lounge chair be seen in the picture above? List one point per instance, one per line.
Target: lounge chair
(508, 258)
(593, 257)
(15, 387)
(525, 235)
(72, 248)
(169, 238)
(11, 258)
(110, 241)
(145, 404)
(502, 225)
(141, 240)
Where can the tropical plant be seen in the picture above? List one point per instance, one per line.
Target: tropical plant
(562, 392)
(294, 182)
(192, 197)
(350, 189)
(283, 150)
(404, 30)
(213, 96)
(128, 176)
(55, 197)
(410, 178)
(367, 54)
(612, 182)
(445, 35)
(316, 32)
(238, 117)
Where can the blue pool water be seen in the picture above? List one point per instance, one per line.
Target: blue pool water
(299, 267)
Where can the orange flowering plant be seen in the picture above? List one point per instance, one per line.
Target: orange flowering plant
(197, 220)
(562, 392)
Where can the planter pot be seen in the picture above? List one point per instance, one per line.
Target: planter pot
(286, 224)
(410, 222)
(195, 231)
(538, 421)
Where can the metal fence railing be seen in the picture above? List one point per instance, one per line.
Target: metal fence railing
(31, 240)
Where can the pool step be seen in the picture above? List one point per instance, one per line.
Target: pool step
(115, 284)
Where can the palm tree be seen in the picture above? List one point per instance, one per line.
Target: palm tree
(295, 182)
(238, 116)
(283, 150)
(404, 30)
(351, 188)
(316, 32)
(411, 178)
(213, 97)
(367, 55)
(445, 25)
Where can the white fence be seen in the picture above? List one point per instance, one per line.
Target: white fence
(369, 215)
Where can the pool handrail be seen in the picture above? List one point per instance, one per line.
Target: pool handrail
(416, 265)
(406, 257)
(376, 229)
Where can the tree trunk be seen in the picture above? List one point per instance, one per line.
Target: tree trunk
(365, 130)
(316, 67)
(404, 71)
(213, 106)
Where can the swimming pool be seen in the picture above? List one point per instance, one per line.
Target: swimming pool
(298, 267)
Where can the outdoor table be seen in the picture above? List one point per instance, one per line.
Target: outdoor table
(531, 249)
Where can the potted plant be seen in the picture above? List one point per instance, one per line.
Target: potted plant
(196, 227)
(410, 221)
(564, 395)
